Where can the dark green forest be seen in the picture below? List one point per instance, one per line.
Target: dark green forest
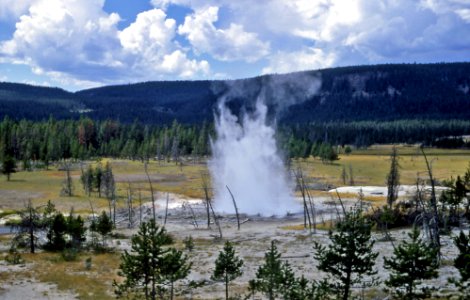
(54, 140)
(361, 93)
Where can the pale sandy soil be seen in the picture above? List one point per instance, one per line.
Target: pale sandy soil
(381, 191)
(17, 286)
(255, 237)
(251, 242)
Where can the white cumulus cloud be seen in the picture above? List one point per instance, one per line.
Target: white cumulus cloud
(229, 44)
(305, 59)
(78, 42)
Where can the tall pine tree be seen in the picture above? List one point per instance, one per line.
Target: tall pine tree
(227, 266)
(350, 255)
(412, 262)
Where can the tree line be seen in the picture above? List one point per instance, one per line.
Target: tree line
(54, 140)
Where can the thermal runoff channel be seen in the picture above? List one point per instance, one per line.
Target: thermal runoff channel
(245, 157)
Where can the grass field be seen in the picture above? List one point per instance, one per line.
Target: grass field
(369, 167)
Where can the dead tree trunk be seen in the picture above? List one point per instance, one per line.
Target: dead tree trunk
(434, 222)
(193, 215)
(300, 183)
(234, 205)
(140, 207)
(166, 208)
(151, 193)
(205, 187)
(129, 205)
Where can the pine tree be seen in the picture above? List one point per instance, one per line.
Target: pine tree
(55, 235)
(98, 179)
(108, 184)
(142, 267)
(8, 166)
(349, 257)
(227, 266)
(393, 178)
(76, 229)
(411, 263)
(103, 225)
(273, 276)
(175, 267)
(462, 263)
(30, 223)
(87, 180)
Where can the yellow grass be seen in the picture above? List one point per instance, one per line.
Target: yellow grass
(95, 283)
(371, 166)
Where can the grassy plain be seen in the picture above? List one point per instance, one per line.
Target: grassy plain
(369, 167)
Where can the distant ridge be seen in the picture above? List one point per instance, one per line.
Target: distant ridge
(358, 93)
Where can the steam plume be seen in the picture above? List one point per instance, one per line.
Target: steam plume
(244, 155)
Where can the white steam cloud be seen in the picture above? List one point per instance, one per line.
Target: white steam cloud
(245, 156)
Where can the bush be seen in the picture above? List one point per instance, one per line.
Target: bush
(13, 256)
(69, 254)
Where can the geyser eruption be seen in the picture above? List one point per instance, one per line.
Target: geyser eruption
(244, 154)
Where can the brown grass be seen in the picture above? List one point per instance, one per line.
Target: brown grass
(95, 283)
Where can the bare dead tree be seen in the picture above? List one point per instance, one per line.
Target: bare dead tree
(166, 208)
(216, 221)
(151, 193)
(130, 209)
(312, 209)
(234, 205)
(67, 186)
(140, 206)
(301, 186)
(205, 188)
(351, 176)
(208, 202)
(434, 221)
(193, 215)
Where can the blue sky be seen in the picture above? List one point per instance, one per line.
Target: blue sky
(77, 44)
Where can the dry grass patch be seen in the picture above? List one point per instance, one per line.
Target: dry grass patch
(95, 283)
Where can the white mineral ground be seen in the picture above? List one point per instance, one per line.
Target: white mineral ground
(251, 242)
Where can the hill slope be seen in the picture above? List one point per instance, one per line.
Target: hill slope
(379, 93)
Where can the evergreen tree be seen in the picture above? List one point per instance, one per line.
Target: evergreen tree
(98, 179)
(55, 235)
(142, 267)
(393, 178)
(349, 257)
(87, 180)
(76, 229)
(273, 277)
(8, 166)
(103, 225)
(108, 184)
(411, 263)
(175, 266)
(227, 266)
(30, 223)
(462, 263)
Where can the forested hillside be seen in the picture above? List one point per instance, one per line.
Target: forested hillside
(362, 93)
